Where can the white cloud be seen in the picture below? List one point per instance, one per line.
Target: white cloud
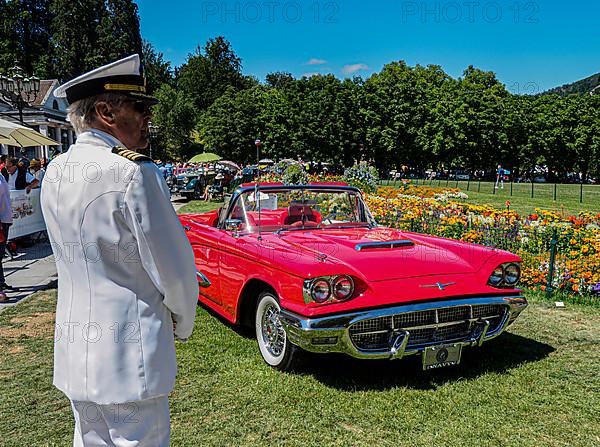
(353, 68)
(315, 61)
(312, 73)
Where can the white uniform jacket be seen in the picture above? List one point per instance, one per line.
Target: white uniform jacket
(125, 268)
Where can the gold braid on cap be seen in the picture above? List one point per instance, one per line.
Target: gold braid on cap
(130, 155)
(125, 87)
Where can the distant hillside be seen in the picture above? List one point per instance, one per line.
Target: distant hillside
(584, 86)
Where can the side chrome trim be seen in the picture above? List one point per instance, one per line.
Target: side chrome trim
(302, 330)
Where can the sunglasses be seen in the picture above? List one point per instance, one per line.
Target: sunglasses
(140, 106)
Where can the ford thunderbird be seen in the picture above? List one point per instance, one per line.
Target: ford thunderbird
(309, 269)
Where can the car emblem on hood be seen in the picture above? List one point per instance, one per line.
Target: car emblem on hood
(439, 285)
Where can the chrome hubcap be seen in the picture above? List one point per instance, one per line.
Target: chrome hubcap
(273, 333)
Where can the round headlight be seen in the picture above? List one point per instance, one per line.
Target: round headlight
(512, 273)
(497, 276)
(342, 287)
(320, 291)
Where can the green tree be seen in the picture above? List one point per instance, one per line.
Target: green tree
(232, 123)
(208, 73)
(157, 70)
(175, 116)
(482, 140)
(279, 79)
(9, 37)
(74, 32)
(25, 35)
(118, 31)
(585, 119)
(398, 105)
(551, 134)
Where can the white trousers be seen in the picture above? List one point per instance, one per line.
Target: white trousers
(143, 423)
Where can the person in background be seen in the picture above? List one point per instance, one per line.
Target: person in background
(169, 169)
(35, 169)
(161, 167)
(18, 177)
(214, 188)
(500, 177)
(5, 223)
(3, 162)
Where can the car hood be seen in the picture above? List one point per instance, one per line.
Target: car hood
(365, 252)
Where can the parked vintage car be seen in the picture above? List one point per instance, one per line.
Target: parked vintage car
(310, 270)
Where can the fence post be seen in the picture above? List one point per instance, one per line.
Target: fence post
(555, 192)
(581, 193)
(479, 186)
(553, 244)
(468, 182)
(532, 188)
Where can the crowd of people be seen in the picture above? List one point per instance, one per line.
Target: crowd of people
(22, 173)
(17, 174)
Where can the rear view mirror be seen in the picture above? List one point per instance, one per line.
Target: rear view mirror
(234, 225)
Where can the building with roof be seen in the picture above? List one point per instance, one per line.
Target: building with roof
(48, 115)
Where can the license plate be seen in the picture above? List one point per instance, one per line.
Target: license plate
(441, 356)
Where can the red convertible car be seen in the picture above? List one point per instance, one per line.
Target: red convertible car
(310, 270)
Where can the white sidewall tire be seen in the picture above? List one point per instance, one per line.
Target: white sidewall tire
(264, 301)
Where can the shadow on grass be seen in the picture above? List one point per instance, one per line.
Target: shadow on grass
(496, 356)
(343, 372)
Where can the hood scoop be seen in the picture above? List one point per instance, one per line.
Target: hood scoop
(385, 244)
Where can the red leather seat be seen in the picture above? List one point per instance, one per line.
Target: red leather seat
(299, 213)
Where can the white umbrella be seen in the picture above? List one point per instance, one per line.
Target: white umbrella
(228, 163)
(17, 135)
(266, 161)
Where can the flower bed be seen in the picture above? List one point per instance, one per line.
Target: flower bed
(440, 212)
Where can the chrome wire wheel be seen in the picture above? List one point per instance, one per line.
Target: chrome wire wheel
(273, 344)
(272, 330)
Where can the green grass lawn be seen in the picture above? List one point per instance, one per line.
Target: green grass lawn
(536, 385)
(567, 196)
(199, 206)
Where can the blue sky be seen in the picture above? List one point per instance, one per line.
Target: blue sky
(532, 46)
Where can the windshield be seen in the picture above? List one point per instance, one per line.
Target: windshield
(287, 210)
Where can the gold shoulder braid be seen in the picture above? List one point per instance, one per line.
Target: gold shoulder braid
(130, 155)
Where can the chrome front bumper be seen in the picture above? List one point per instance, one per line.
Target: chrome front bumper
(333, 333)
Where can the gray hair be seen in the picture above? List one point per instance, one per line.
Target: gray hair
(82, 113)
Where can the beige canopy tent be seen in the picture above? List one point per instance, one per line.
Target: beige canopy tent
(15, 134)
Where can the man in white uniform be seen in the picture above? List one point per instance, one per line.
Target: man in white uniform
(126, 275)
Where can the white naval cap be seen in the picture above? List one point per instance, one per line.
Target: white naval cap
(123, 76)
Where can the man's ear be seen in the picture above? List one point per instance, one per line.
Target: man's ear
(105, 113)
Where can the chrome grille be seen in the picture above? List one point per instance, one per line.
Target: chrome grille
(448, 324)
(411, 319)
